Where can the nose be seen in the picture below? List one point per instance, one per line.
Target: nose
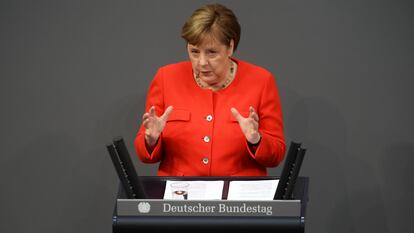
(203, 60)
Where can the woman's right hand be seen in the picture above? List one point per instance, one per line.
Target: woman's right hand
(154, 125)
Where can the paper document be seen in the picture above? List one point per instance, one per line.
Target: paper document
(252, 190)
(195, 190)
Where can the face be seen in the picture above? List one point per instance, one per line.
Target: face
(210, 60)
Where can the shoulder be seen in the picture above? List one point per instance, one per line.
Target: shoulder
(253, 71)
(178, 67)
(173, 72)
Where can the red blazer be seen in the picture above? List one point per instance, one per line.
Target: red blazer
(201, 137)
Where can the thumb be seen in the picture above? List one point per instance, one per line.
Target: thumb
(167, 113)
(236, 114)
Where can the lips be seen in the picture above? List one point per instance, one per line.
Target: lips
(205, 72)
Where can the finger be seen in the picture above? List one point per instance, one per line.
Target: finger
(145, 123)
(151, 111)
(167, 113)
(253, 114)
(255, 125)
(236, 114)
(145, 116)
(147, 133)
(251, 110)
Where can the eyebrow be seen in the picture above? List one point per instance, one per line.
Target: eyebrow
(192, 47)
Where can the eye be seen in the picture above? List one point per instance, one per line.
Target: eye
(195, 51)
(212, 53)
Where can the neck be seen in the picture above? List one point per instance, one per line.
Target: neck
(223, 83)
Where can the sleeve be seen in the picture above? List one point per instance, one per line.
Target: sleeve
(271, 149)
(155, 97)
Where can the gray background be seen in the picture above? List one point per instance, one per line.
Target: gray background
(75, 73)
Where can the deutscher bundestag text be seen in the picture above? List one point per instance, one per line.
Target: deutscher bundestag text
(220, 208)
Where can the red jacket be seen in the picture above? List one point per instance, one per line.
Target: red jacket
(201, 137)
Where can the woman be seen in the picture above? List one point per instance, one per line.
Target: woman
(213, 115)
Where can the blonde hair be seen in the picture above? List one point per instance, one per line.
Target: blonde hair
(213, 20)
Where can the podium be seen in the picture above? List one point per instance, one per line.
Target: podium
(134, 215)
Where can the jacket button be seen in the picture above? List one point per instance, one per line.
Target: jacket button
(209, 118)
(206, 139)
(205, 161)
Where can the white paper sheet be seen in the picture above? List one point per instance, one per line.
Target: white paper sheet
(252, 190)
(199, 190)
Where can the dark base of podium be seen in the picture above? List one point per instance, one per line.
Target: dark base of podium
(211, 224)
(154, 187)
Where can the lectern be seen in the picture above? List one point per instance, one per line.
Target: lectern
(144, 215)
(140, 206)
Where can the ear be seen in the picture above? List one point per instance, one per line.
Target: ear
(230, 49)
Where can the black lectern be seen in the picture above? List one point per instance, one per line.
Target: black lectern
(294, 221)
(140, 207)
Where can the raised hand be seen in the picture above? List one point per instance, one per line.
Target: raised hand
(248, 125)
(154, 125)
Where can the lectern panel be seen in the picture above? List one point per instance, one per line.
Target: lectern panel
(157, 215)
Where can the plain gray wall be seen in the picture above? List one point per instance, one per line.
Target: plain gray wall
(75, 73)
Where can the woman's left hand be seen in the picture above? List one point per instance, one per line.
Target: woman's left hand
(249, 125)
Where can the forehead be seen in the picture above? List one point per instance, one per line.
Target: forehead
(207, 41)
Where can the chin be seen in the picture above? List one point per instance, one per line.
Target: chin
(208, 79)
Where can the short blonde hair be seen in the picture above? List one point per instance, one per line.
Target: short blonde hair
(212, 20)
